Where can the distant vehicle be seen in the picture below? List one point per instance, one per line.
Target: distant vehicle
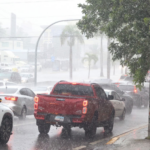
(73, 104)
(139, 97)
(27, 77)
(122, 94)
(118, 103)
(26, 69)
(42, 90)
(39, 66)
(123, 77)
(18, 99)
(6, 123)
(10, 76)
(7, 83)
(8, 67)
(101, 80)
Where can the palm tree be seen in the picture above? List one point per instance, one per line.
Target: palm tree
(89, 58)
(71, 33)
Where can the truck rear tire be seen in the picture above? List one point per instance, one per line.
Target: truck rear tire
(109, 126)
(90, 130)
(66, 131)
(44, 128)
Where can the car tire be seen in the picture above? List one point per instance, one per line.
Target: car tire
(122, 117)
(139, 103)
(129, 107)
(6, 129)
(23, 113)
(44, 128)
(90, 130)
(109, 125)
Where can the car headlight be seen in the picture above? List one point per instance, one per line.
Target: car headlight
(5, 79)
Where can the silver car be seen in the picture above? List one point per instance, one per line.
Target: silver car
(19, 99)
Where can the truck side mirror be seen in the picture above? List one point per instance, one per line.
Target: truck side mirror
(110, 97)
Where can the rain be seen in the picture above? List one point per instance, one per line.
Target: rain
(74, 75)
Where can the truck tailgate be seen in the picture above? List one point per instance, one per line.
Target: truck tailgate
(62, 105)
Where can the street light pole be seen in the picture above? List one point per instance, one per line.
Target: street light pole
(37, 43)
(149, 113)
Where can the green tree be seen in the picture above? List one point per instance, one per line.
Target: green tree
(71, 33)
(127, 23)
(89, 58)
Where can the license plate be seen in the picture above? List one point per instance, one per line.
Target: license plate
(59, 118)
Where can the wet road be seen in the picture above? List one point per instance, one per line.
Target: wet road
(26, 137)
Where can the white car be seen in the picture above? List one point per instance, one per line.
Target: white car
(19, 99)
(6, 123)
(118, 103)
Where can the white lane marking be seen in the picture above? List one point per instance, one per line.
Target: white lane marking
(79, 148)
(24, 124)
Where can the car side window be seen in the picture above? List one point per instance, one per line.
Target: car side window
(30, 93)
(23, 92)
(100, 93)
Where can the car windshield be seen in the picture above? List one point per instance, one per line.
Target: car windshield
(8, 90)
(127, 88)
(69, 89)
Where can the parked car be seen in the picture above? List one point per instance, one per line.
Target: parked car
(117, 102)
(74, 104)
(42, 90)
(7, 83)
(122, 94)
(6, 123)
(10, 76)
(18, 99)
(27, 77)
(139, 97)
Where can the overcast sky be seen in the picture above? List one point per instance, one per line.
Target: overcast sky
(39, 12)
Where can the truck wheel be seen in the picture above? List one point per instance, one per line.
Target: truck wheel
(109, 126)
(5, 130)
(66, 131)
(44, 128)
(23, 113)
(122, 117)
(90, 130)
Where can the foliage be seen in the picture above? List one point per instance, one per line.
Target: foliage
(73, 33)
(127, 23)
(89, 58)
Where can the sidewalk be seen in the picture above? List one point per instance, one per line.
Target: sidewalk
(134, 141)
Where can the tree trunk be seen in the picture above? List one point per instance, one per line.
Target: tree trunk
(101, 58)
(114, 69)
(108, 60)
(89, 70)
(70, 62)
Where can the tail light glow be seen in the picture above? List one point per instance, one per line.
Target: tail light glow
(35, 106)
(135, 91)
(85, 103)
(36, 99)
(11, 98)
(84, 110)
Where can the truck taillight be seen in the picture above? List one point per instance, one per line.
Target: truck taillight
(36, 99)
(85, 103)
(11, 98)
(35, 106)
(84, 110)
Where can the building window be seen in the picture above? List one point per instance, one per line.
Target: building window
(5, 44)
(18, 44)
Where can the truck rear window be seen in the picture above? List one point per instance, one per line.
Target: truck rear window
(69, 89)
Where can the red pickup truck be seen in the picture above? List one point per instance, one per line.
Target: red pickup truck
(74, 104)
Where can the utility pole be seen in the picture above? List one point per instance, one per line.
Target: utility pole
(101, 57)
(108, 60)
